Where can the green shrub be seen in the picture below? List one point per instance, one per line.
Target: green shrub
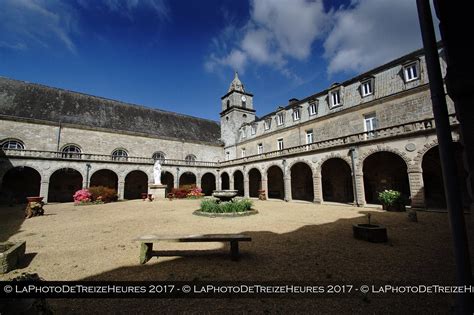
(104, 194)
(391, 198)
(212, 206)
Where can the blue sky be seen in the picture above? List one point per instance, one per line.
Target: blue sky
(180, 55)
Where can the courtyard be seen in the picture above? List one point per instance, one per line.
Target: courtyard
(291, 241)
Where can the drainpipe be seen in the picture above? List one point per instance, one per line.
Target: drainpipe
(88, 167)
(353, 153)
(59, 137)
(448, 164)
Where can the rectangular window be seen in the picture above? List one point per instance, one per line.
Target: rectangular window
(370, 124)
(227, 156)
(243, 134)
(242, 152)
(313, 108)
(366, 88)
(280, 144)
(296, 114)
(335, 98)
(410, 72)
(309, 136)
(267, 124)
(260, 148)
(254, 129)
(280, 119)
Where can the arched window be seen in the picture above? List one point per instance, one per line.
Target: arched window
(190, 159)
(13, 144)
(228, 103)
(119, 155)
(71, 151)
(159, 156)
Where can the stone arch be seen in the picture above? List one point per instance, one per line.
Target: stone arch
(63, 183)
(275, 182)
(336, 180)
(136, 183)
(208, 183)
(104, 177)
(167, 178)
(418, 159)
(332, 156)
(302, 187)
(433, 178)
(380, 148)
(384, 170)
(238, 176)
(225, 181)
(187, 178)
(299, 160)
(20, 182)
(255, 181)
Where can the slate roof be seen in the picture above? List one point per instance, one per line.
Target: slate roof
(34, 101)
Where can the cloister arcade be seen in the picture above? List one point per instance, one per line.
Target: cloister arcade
(318, 177)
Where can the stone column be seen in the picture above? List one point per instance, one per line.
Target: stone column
(198, 180)
(121, 189)
(246, 185)
(287, 180)
(417, 193)
(218, 181)
(231, 183)
(359, 179)
(265, 184)
(317, 187)
(176, 178)
(44, 189)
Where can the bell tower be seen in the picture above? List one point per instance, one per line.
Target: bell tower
(237, 109)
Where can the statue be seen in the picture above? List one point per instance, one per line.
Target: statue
(157, 172)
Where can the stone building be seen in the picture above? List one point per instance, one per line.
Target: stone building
(344, 144)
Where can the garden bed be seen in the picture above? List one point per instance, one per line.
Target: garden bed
(10, 255)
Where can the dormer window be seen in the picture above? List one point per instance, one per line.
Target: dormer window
(296, 114)
(335, 98)
(243, 134)
(267, 124)
(411, 71)
(313, 107)
(367, 87)
(280, 119)
(253, 130)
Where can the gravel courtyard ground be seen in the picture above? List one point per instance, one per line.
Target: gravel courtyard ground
(291, 242)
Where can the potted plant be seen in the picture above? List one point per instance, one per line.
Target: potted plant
(392, 200)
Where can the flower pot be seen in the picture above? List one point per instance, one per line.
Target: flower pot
(370, 232)
(35, 199)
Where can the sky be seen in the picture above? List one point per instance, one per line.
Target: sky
(180, 56)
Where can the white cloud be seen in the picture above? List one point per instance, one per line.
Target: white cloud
(278, 30)
(27, 22)
(127, 7)
(371, 32)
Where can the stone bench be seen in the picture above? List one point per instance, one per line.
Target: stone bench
(146, 246)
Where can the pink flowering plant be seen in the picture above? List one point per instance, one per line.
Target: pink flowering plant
(82, 196)
(195, 193)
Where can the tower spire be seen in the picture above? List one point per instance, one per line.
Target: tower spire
(236, 84)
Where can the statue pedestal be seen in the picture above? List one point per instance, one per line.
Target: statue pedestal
(158, 191)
